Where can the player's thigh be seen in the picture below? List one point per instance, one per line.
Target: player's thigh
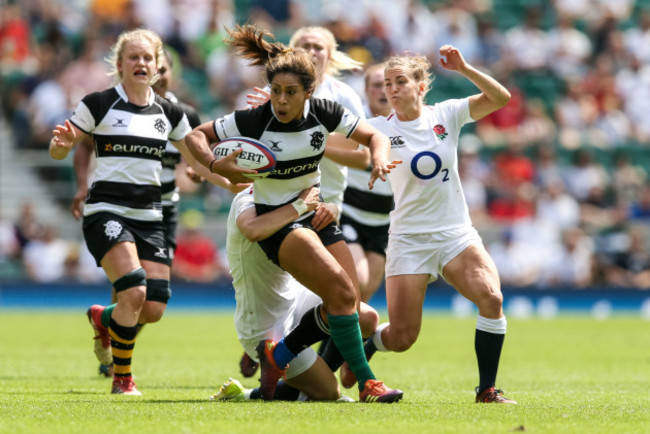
(376, 266)
(473, 274)
(360, 261)
(121, 259)
(405, 299)
(304, 256)
(156, 270)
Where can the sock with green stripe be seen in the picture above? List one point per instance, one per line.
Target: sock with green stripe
(346, 334)
(106, 314)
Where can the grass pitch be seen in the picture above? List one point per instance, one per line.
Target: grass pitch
(569, 375)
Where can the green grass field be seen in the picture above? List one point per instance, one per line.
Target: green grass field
(570, 375)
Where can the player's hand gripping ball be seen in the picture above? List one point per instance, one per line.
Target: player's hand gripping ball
(255, 155)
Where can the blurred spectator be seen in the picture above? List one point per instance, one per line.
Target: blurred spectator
(630, 267)
(637, 38)
(490, 42)
(633, 84)
(613, 126)
(86, 74)
(640, 208)
(627, 178)
(569, 48)
(501, 126)
(516, 266)
(585, 175)
(513, 165)
(547, 168)
(527, 45)
(556, 206)
(27, 228)
(16, 42)
(571, 264)
(87, 270)
(45, 257)
(537, 126)
(197, 257)
(514, 202)
(575, 111)
(474, 175)
(457, 27)
(48, 107)
(416, 32)
(9, 243)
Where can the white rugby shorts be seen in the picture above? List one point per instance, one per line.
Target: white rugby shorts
(304, 300)
(427, 253)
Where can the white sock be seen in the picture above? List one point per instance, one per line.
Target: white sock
(376, 337)
(495, 326)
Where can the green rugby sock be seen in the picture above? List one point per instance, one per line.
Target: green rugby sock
(346, 334)
(106, 315)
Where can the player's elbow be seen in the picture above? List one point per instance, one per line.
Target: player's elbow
(503, 97)
(252, 233)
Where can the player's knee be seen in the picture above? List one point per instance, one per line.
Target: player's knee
(152, 312)
(132, 279)
(402, 340)
(158, 290)
(368, 321)
(490, 300)
(131, 288)
(341, 298)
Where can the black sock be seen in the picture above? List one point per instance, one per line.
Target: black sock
(331, 355)
(312, 328)
(369, 348)
(283, 392)
(488, 351)
(334, 359)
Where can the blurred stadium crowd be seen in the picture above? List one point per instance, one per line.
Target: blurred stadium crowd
(557, 181)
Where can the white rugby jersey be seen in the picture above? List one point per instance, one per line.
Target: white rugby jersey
(172, 157)
(264, 292)
(426, 186)
(334, 175)
(298, 145)
(130, 143)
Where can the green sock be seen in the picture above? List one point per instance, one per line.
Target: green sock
(106, 315)
(346, 334)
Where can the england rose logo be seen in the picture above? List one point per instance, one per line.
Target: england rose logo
(440, 131)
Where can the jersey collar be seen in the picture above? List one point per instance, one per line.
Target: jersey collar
(122, 93)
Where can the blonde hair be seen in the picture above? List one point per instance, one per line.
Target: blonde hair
(339, 61)
(417, 67)
(129, 36)
(276, 58)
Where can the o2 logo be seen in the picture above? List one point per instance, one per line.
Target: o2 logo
(427, 164)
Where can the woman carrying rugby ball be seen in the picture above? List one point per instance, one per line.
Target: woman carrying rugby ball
(296, 126)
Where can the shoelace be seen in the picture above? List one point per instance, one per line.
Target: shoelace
(378, 387)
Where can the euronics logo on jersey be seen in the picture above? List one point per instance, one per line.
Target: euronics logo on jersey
(295, 170)
(134, 149)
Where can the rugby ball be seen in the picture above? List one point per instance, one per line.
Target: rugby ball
(255, 155)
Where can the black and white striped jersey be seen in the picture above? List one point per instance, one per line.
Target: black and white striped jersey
(298, 145)
(172, 157)
(130, 143)
(369, 207)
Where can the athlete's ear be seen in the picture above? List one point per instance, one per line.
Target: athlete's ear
(421, 87)
(309, 92)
